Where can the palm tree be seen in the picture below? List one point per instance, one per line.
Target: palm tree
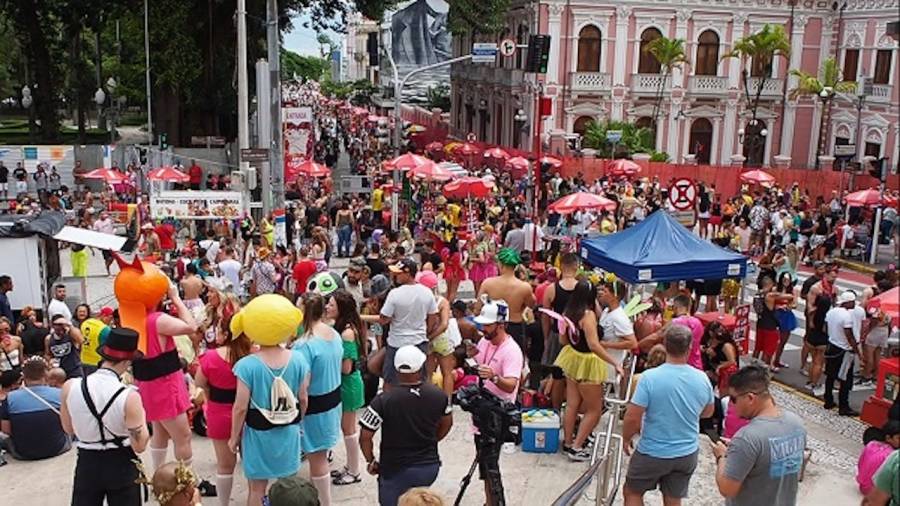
(824, 88)
(670, 55)
(759, 50)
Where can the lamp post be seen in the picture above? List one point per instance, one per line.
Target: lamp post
(753, 139)
(826, 96)
(112, 111)
(27, 102)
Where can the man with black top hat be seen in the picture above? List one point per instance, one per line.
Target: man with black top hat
(108, 419)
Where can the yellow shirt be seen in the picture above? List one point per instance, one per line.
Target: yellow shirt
(455, 212)
(377, 199)
(91, 329)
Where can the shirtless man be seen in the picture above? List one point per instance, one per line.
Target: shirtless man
(151, 244)
(517, 294)
(192, 286)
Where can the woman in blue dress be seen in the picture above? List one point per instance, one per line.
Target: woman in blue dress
(267, 430)
(322, 348)
(784, 312)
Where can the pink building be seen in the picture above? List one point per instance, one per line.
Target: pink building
(599, 71)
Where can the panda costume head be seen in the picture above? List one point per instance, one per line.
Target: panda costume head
(324, 283)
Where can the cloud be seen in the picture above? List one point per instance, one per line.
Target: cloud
(302, 40)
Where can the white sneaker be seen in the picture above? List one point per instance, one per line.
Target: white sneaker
(818, 390)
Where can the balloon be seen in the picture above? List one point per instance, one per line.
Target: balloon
(325, 283)
(267, 320)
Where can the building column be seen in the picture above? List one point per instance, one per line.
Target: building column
(682, 16)
(672, 142)
(767, 154)
(685, 139)
(715, 145)
(623, 13)
(790, 109)
(554, 21)
(617, 113)
(738, 20)
(731, 129)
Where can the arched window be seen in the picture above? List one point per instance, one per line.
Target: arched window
(701, 140)
(589, 49)
(581, 124)
(707, 63)
(647, 63)
(521, 38)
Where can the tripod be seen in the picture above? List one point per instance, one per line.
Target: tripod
(488, 462)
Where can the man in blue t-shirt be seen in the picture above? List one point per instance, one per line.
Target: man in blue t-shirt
(29, 417)
(666, 410)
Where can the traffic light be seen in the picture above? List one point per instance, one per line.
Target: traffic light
(163, 142)
(876, 168)
(538, 54)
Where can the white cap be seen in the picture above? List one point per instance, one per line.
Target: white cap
(408, 359)
(845, 297)
(492, 311)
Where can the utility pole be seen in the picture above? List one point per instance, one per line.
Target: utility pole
(276, 158)
(263, 89)
(243, 98)
(147, 76)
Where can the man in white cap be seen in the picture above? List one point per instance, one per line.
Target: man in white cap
(499, 357)
(413, 417)
(842, 351)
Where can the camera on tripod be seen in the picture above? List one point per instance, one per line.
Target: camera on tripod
(497, 420)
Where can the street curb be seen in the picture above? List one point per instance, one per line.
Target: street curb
(805, 395)
(857, 266)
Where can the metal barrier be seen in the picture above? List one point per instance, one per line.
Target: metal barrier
(612, 452)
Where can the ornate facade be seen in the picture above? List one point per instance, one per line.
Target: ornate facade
(599, 70)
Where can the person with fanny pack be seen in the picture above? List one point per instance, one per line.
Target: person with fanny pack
(107, 419)
(323, 349)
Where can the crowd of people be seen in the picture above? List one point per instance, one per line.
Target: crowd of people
(277, 356)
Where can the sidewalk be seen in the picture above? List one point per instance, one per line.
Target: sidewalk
(887, 255)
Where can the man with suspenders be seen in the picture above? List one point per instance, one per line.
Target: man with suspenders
(108, 419)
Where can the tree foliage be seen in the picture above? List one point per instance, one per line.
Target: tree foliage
(304, 67)
(830, 77)
(634, 139)
(760, 49)
(439, 97)
(483, 17)
(670, 55)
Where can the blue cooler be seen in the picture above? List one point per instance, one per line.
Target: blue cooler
(540, 431)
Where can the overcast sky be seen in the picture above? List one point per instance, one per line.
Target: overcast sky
(303, 40)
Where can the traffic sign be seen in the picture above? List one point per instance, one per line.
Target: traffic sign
(845, 150)
(683, 194)
(613, 136)
(484, 52)
(254, 155)
(688, 217)
(507, 47)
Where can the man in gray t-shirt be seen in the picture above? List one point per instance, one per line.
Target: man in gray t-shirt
(761, 464)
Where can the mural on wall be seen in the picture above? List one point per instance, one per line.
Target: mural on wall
(419, 35)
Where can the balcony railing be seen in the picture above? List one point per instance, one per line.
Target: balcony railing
(771, 88)
(881, 93)
(648, 83)
(708, 85)
(590, 81)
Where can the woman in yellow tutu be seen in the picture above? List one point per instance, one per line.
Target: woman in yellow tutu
(583, 360)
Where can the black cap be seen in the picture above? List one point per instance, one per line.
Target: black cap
(405, 265)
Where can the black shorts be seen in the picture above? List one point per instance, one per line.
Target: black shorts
(816, 338)
(108, 474)
(107, 254)
(519, 333)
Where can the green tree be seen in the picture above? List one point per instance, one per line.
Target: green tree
(824, 86)
(439, 97)
(670, 55)
(362, 92)
(482, 17)
(10, 61)
(758, 50)
(304, 67)
(634, 139)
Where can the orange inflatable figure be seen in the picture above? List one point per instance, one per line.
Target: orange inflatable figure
(139, 287)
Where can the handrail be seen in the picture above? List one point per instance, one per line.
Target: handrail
(572, 494)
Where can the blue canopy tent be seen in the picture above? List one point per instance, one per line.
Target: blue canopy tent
(661, 249)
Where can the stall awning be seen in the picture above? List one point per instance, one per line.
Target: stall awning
(90, 238)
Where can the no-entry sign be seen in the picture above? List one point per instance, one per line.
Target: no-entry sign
(683, 194)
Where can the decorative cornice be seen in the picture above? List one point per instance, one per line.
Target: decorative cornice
(623, 12)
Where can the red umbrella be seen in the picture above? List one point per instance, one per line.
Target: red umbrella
(373, 118)
(549, 160)
(870, 197)
(168, 173)
(310, 168)
(517, 163)
(757, 176)
(889, 302)
(581, 201)
(497, 153)
(434, 146)
(108, 175)
(407, 162)
(467, 149)
(431, 171)
(468, 187)
(623, 168)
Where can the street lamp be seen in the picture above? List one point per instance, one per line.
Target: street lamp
(27, 102)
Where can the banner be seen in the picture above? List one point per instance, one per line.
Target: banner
(742, 327)
(196, 205)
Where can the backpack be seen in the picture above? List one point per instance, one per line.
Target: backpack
(283, 406)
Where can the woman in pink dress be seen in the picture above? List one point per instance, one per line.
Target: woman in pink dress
(482, 257)
(454, 267)
(217, 379)
(161, 382)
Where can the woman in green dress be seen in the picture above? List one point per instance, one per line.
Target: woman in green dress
(342, 310)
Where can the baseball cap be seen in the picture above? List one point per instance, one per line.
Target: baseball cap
(408, 359)
(293, 491)
(106, 311)
(845, 297)
(493, 311)
(427, 278)
(380, 284)
(405, 265)
(357, 264)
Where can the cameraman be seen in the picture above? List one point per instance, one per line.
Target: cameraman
(500, 362)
